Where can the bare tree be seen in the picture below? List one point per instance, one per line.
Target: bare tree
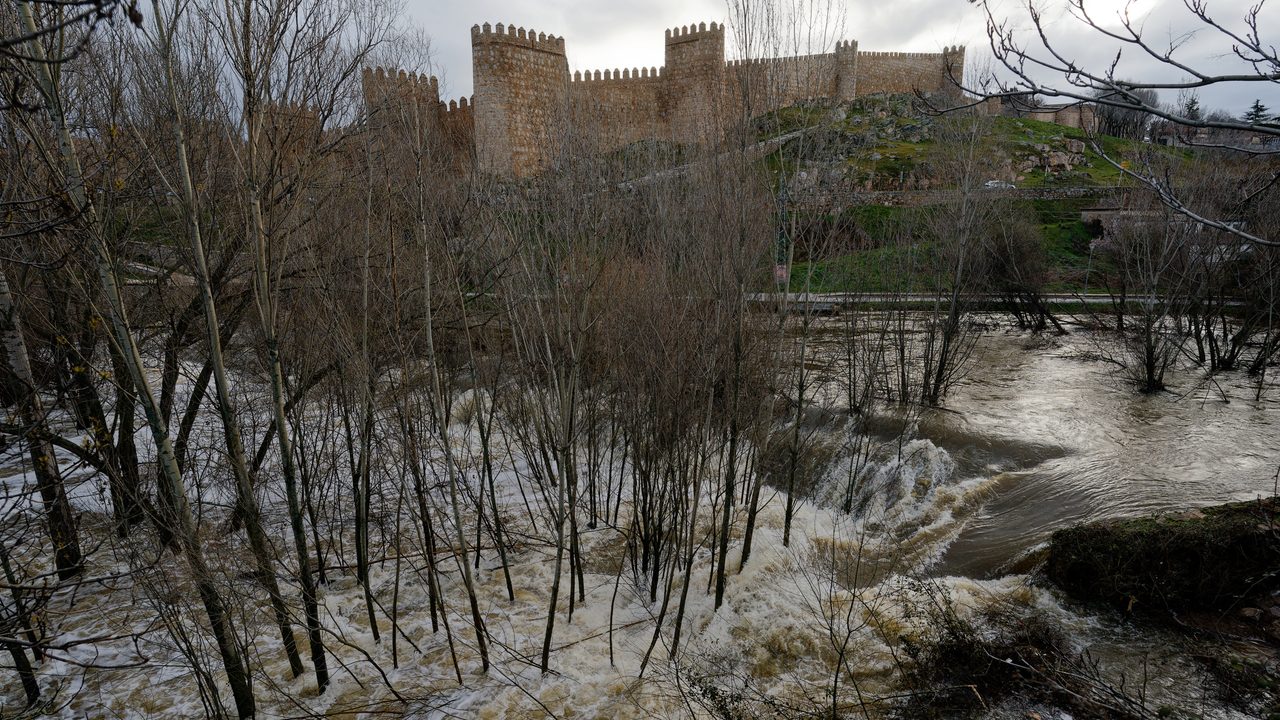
(1032, 58)
(182, 521)
(61, 521)
(1123, 121)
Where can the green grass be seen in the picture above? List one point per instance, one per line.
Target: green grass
(881, 268)
(871, 141)
(788, 119)
(874, 270)
(147, 223)
(878, 222)
(1066, 246)
(1019, 137)
(881, 139)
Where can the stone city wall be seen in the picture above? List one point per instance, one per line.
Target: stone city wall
(613, 108)
(406, 108)
(772, 83)
(528, 110)
(897, 72)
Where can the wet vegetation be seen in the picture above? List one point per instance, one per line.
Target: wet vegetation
(1215, 558)
(1011, 660)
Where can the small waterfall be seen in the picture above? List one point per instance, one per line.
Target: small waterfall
(891, 484)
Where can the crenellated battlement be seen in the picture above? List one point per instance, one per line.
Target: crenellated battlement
(901, 55)
(686, 33)
(780, 61)
(457, 126)
(512, 35)
(392, 85)
(381, 75)
(463, 104)
(527, 101)
(644, 73)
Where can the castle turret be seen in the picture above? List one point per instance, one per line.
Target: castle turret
(694, 75)
(952, 70)
(846, 70)
(521, 103)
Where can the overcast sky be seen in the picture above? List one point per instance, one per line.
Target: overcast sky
(603, 34)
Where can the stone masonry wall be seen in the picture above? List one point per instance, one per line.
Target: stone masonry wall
(391, 95)
(521, 99)
(772, 83)
(406, 108)
(694, 82)
(458, 129)
(898, 72)
(613, 108)
(527, 111)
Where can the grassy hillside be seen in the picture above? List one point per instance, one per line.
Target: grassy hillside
(884, 143)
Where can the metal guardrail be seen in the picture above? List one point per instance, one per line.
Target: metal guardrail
(828, 303)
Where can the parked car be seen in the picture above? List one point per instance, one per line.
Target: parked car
(998, 185)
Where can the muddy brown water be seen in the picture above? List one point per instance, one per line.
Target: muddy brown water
(1060, 437)
(1052, 437)
(1072, 442)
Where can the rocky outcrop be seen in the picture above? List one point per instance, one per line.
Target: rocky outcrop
(1055, 160)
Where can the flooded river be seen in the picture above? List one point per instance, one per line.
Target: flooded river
(1047, 436)
(1051, 436)
(1072, 442)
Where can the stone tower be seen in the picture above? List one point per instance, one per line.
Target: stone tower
(952, 70)
(694, 75)
(521, 102)
(846, 69)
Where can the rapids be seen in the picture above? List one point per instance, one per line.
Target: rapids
(1052, 436)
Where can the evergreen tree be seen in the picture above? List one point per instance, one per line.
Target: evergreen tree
(1257, 113)
(1191, 108)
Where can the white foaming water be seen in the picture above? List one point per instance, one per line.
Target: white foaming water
(910, 493)
(901, 485)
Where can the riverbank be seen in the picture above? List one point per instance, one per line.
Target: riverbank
(1224, 559)
(1211, 574)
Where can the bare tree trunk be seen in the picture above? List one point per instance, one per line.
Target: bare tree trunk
(53, 493)
(87, 403)
(183, 521)
(731, 463)
(560, 516)
(22, 665)
(21, 619)
(794, 450)
(267, 312)
(248, 511)
(363, 469)
(441, 422)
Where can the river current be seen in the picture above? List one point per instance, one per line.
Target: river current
(1041, 434)
(1068, 441)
